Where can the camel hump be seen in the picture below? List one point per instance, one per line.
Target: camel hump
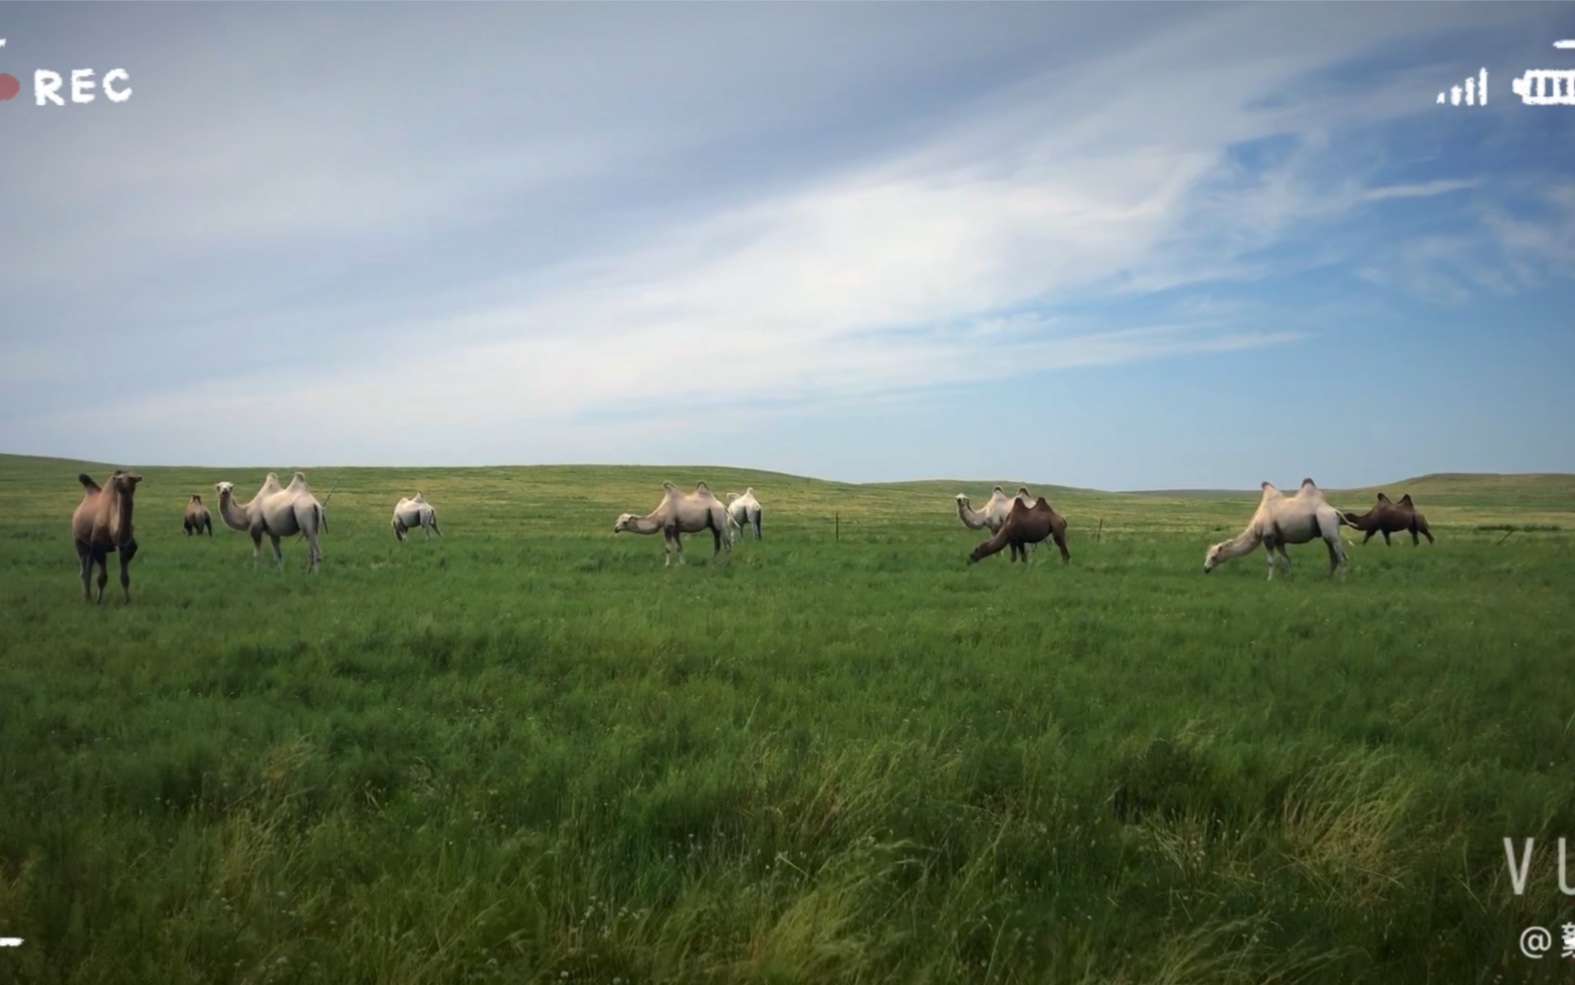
(1265, 485)
(702, 487)
(998, 489)
(1406, 500)
(669, 487)
(749, 490)
(1308, 482)
(87, 481)
(196, 499)
(1382, 498)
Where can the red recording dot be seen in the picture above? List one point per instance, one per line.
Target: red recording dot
(9, 86)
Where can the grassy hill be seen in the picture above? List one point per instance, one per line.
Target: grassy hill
(527, 752)
(1460, 500)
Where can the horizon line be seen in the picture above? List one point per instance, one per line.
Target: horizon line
(812, 478)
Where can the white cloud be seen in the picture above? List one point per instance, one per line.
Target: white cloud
(1101, 177)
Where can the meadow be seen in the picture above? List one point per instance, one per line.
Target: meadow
(527, 753)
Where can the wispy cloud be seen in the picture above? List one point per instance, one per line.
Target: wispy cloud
(514, 268)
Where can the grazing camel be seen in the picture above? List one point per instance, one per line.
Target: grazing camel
(414, 512)
(101, 524)
(679, 514)
(278, 511)
(1281, 520)
(744, 511)
(995, 509)
(197, 518)
(1023, 526)
(1387, 517)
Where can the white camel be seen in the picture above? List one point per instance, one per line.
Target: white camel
(1281, 520)
(996, 509)
(678, 514)
(744, 511)
(278, 511)
(412, 513)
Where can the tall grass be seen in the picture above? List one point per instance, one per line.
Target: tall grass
(526, 752)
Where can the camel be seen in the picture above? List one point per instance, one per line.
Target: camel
(278, 511)
(744, 511)
(101, 524)
(679, 514)
(1023, 526)
(1281, 520)
(995, 510)
(414, 512)
(197, 518)
(1387, 517)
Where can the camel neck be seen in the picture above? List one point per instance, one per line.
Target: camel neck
(123, 507)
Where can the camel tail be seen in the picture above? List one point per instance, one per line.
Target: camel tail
(322, 516)
(1347, 519)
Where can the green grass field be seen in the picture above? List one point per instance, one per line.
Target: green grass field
(527, 752)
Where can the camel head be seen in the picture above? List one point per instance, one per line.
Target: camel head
(1214, 558)
(962, 500)
(625, 522)
(225, 489)
(125, 482)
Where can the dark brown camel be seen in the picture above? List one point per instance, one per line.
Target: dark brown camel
(197, 518)
(100, 525)
(1388, 517)
(1026, 525)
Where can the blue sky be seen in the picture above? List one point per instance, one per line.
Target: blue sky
(1109, 245)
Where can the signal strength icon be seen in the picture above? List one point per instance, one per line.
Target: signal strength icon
(1475, 91)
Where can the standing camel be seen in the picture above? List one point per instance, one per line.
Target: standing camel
(197, 518)
(278, 511)
(1281, 520)
(1026, 525)
(995, 509)
(744, 511)
(1388, 517)
(412, 513)
(100, 525)
(678, 514)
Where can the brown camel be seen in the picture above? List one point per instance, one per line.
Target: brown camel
(1026, 525)
(1388, 517)
(102, 524)
(197, 518)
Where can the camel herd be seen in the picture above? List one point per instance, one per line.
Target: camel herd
(102, 523)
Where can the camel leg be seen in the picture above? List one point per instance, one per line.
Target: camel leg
(1336, 556)
(1386, 539)
(256, 548)
(126, 555)
(102, 560)
(85, 566)
(1268, 548)
(435, 527)
(278, 555)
